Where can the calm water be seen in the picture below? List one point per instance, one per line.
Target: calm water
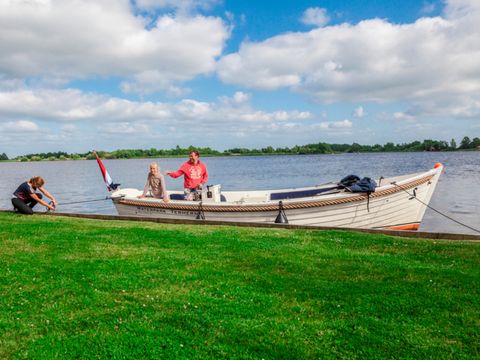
(457, 194)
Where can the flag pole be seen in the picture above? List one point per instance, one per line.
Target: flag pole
(106, 176)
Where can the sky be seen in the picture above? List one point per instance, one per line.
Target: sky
(139, 74)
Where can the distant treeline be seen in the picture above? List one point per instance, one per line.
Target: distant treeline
(319, 148)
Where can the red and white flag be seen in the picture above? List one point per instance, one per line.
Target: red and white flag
(106, 177)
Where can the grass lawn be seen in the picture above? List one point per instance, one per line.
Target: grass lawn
(74, 288)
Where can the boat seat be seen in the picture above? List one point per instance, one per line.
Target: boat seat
(176, 197)
(300, 193)
(253, 199)
(181, 197)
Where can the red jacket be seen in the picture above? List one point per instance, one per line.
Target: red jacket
(193, 174)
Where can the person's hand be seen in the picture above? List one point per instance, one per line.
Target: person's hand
(140, 196)
(168, 172)
(51, 207)
(54, 202)
(166, 200)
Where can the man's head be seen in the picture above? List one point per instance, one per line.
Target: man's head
(193, 156)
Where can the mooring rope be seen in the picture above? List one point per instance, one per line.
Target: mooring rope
(76, 202)
(83, 201)
(437, 211)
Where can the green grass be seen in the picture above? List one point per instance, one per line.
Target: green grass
(73, 288)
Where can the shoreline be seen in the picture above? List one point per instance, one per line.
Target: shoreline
(423, 235)
(240, 155)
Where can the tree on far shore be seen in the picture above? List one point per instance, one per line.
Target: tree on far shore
(316, 148)
(453, 144)
(465, 144)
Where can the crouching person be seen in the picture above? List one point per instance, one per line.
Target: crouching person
(26, 197)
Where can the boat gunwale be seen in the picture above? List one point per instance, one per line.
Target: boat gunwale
(387, 189)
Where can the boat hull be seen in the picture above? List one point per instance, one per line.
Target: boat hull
(396, 205)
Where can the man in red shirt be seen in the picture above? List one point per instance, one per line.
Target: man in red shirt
(195, 175)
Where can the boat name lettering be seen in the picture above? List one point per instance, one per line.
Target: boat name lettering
(181, 212)
(143, 209)
(149, 210)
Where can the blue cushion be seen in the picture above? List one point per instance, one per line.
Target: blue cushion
(300, 193)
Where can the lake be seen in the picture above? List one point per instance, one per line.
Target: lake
(457, 194)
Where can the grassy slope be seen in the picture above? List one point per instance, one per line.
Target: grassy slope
(87, 288)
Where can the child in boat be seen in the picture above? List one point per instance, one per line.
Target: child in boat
(26, 197)
(155, 184)
(195, 175)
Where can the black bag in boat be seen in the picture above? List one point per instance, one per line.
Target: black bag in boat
(365, 185)
(348, 180)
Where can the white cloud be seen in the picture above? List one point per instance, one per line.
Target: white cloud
(315, 16)
(20, 126)
(69, 128)
(150, 81)
(332, 125)
(125, 128)
(342, 124)
(61, 40)
(428, 64)
(238, 99)
(72, 106)
(403, 117)
(241, 97)
(422, 129)
(359, 112)
(9, 83)
(459, 9)
(69, 119)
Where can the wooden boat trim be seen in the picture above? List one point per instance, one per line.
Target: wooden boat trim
(412, 226)
(275, 206)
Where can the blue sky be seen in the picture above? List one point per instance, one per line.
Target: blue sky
(110, 74)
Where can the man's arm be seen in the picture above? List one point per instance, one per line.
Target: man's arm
(205, 175)
(37, 199)
(47, 194)
(175, 174)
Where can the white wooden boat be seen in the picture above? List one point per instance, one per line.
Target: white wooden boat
(397, 203)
